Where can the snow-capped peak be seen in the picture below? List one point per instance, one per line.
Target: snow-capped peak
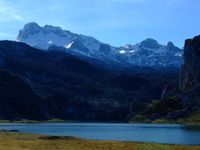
(146, 53)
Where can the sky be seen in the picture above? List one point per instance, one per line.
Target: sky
(117, 22)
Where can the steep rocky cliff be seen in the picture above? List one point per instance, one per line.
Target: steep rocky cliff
(190, 74)
(190, 71)
(189, 81)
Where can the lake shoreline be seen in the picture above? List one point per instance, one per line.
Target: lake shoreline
(145, 133)
(24, 141)
(57, 121)
(74, 121)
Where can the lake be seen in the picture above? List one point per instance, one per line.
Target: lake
(164, 133)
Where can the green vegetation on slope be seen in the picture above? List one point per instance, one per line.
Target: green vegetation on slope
(158, 111)
(165, 111)
(193, 119)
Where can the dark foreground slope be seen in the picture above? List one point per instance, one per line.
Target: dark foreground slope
(39, 85)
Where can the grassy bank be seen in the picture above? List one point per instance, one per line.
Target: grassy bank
(19, 141)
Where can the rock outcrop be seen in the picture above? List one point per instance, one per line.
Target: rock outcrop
(169, 91)
(190, 71)
(190, 74)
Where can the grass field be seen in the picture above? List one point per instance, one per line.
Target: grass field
(19, 141)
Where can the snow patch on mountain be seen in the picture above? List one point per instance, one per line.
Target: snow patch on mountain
(68, 45)
(122, 52)
(50, 42)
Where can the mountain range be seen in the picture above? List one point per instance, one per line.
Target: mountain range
(52, 73)
(38, 84)
(146, 53)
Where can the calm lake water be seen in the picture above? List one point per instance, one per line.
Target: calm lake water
(171, 134)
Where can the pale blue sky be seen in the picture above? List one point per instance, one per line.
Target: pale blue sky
(117, 22)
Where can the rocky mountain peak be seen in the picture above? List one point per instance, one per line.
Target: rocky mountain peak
(56, 30)
(173, 50)
(31, 25)
(29, 29)
(170, 44)
(150, 43)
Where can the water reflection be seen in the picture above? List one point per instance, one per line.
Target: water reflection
(162, 133)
